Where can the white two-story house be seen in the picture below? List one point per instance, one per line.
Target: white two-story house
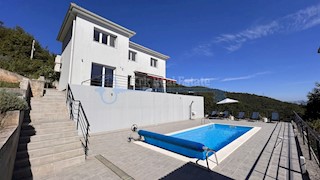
(98, 52)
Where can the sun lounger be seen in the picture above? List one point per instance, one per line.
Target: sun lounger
(213, 114)
(241, 115)
(226, 114)
(275, 116)
(255, 116)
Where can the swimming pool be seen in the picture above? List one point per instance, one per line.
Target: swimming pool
(223, 138)
(214, 136)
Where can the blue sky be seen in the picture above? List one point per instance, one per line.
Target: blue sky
(255, 46)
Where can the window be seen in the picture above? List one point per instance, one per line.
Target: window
(129, 82)
(96, 35)
(132, 55)
(96, 75)
(101, 75)
(106, 38)
(153, 62)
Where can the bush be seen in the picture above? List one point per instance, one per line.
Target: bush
(9, 85)
(10, 102)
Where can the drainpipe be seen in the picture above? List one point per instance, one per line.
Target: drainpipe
(190, 117)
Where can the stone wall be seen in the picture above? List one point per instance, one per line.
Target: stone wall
(8, 76)
(37, 86)
(9, 138)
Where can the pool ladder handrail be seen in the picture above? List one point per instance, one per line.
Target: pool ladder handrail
(208, 150)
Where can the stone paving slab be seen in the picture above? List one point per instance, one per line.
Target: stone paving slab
(143, 163)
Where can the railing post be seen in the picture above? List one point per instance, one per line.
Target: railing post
(87, 134)
(303, 135)
(79, 104)
(318, 149)
(308, 139)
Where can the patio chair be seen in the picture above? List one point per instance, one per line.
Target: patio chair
(275, 116)
(255, 116)
(213, 114)
(226, 114)
(241, 115)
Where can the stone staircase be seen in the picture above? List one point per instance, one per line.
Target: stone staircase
(48, 140)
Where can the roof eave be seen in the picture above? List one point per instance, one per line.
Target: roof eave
(147, 50)
(75, 10)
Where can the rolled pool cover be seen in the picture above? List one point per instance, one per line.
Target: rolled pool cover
(181, 146)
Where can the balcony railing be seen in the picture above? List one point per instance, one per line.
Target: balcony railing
(127, 82)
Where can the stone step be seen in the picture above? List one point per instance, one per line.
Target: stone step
(42, 144)
(49, 100)
(48, 113)
(53, 91)
(39, 171)
(56, 124)
(48, 108)
(46, 120)
(30, 131)
(51, 158)
(50, 150)
(48, 104)
(51, 116)
(47, 137)
(49, 97)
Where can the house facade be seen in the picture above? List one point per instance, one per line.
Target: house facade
(98, 52)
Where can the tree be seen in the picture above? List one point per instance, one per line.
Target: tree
(313, 105)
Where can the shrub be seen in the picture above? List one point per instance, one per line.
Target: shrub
(9, 85)
(10, 102)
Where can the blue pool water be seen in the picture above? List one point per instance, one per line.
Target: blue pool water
(214, 136)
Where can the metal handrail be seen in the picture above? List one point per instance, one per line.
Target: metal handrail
(208, 150)
(207, 155)
(78, 114)
(100, 76)
(307, 132)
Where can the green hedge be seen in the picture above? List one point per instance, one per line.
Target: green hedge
(10, 101)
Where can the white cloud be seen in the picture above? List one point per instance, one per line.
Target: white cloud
(203, 49)
(298, 21)
(245, 77)
(233, 42)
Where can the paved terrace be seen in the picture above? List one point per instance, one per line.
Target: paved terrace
(263, 156)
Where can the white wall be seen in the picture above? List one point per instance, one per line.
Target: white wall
(119, 110)
(65, 63)
(142, 64)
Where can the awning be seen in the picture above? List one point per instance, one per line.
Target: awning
(155, 76)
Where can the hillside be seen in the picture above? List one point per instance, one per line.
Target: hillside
(15, 49)
(248, 103)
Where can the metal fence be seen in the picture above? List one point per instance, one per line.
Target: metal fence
(309, 137)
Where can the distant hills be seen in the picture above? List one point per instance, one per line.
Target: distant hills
(248, 103)
(300, 102)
